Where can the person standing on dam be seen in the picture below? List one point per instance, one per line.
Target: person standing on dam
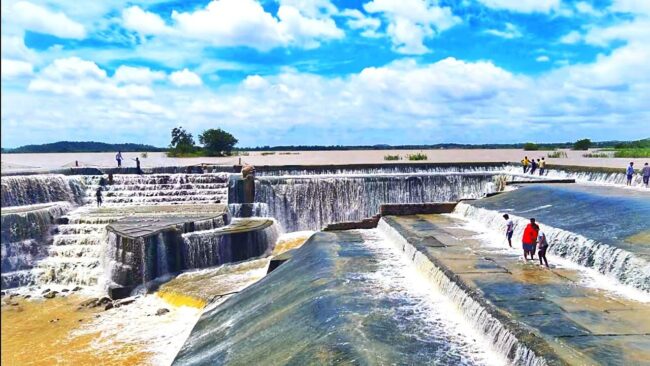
(645, 172)
(525, 163)
(542, 245)
(542, 167)
(137, 166)
(98, 194)
(510, 229)
(533, 166)
(529, 239)
(630, 173)
(119, 159)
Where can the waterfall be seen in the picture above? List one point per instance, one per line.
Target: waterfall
(386, 169)
(214, 247)
(304, 203)
(485, 320)
(31, 189)
(617, 263)
(584, 175)
(256, 209)
(154, 189)
(25, 235)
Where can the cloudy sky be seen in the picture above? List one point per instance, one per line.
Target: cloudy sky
(326, 72)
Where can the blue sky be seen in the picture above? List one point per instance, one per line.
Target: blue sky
(326, 72)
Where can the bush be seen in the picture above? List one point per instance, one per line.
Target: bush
(217, 142)
(557, 154)
(530, 146)
(632, 153)
(182, 142)
(583, 144)
(268, 153)
(418, 156)
(391, 157)
(144, 155)
(596, 155)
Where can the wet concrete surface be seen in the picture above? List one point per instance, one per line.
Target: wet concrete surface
(583, 325)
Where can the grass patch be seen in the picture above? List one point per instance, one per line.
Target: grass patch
(186, 154)
(391, 157)
(289, 153)
(268, 153)
(418, 156)
(597, 155)
(632, 153)
(557, 154)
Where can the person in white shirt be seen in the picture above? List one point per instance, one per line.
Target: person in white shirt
(542, 245)
(510, 229)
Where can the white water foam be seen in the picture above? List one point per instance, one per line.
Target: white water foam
(398, 276)
(589, 277)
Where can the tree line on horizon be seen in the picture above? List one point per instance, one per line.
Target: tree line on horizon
(217, 142)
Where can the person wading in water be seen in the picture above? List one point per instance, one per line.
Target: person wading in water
(542, 245)
(530, 239)
(510, 229)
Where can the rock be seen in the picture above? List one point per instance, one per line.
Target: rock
(54, 320)
(77, 288)
(103, 301)
(65, 290)
(50, 295)
(14, 304)
(2, 293)
(109, 306)
(162, 311)
(45, 291)
(119, 292)
(126, 301)
(90, 303)
(12, 296)
(27, 296)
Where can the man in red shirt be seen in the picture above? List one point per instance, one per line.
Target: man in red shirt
(529, 240)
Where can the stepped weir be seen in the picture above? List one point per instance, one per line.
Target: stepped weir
(390, 276)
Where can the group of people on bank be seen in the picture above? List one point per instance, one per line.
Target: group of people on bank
(533, 239)
(644, 172)
(119, 159)
(534, 165)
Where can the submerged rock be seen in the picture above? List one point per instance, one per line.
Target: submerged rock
(162, 311)
(50, 295)
(90, 303)
(109, 306)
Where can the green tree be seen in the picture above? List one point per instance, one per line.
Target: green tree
(217, 142)
(531, 146)
(182, 141)
(583, 144)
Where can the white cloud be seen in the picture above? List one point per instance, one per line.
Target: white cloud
(137, 75)
(143, 22)
(523, 6)
(572, 37)
(410, 22)
(640, 7)
(637, 30)
(185, 78)
(542, 58)
(13, 47)
(255, 82)
(40, 19)
(241, 23)
(586, 8)
(357, 20)
(510, 31)
(12, 69)
(80, 78)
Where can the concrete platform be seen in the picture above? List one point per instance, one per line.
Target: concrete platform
(568, 322)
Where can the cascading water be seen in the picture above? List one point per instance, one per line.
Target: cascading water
(591, 226)
(476, 311)
(32, 189)
(309, 203)
(208, 248)
(25, 233)
(384, 170)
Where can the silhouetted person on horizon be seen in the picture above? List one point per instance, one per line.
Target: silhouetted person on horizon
(137, 166)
